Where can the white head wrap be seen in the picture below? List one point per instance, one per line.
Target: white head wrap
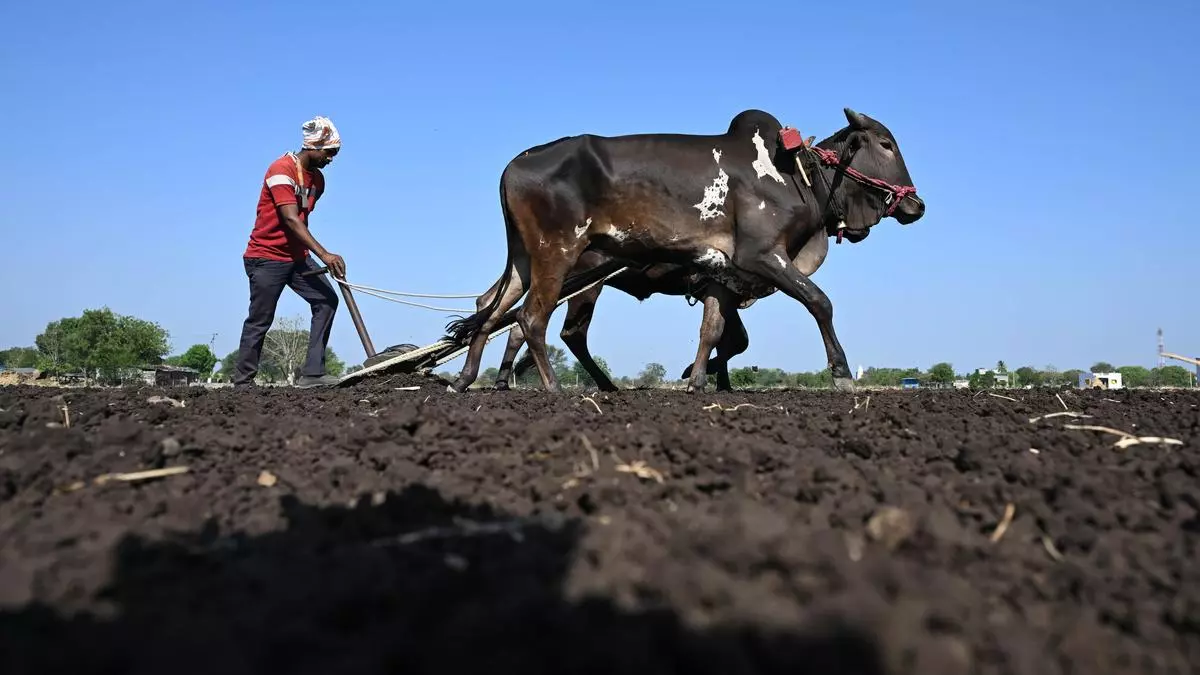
(319, 133)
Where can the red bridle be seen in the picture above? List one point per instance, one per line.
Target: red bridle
(894, 192)
(793, 141)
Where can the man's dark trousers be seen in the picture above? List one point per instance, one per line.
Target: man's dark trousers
(267, 279)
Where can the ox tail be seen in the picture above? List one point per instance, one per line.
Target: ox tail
(462, 330)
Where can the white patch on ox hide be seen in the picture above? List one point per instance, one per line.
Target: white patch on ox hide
(580, 231)
(762, 205)
(762, 165)
(714, 197)
(716, 155)
(712, 258)
(617, 234)
(782, 263)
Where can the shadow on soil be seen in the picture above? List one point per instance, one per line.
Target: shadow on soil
(415, 584)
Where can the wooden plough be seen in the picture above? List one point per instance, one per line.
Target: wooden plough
(409, 358)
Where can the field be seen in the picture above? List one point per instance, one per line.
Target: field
(377, 529)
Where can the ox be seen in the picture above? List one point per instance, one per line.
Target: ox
(716, 204)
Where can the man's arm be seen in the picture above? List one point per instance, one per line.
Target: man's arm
(289, 215)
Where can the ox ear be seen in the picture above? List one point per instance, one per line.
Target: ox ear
(857, 121)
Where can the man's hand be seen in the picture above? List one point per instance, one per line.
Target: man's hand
(336, 265)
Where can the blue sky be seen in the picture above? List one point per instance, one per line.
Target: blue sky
(1052, 142)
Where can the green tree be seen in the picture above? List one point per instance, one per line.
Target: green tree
(942, 373)
(1069, 378)
(228, 365)
(581, 374)
(1134, 376)
(1171, 376)
(19, 357)
(979, 380)
(770, 377)
(1001, 368)
(1030, 375)
(100, 344)
(558, 363)
(822, 379)
(197, 356)
(888, 377)
(333, 363)
(743, 377)
(1102, 367)
(652, 375)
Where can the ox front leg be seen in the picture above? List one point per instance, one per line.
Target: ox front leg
(518, 273)
(775, 267)
(718, 302)
(734, 341)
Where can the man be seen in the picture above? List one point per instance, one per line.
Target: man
(278, 252)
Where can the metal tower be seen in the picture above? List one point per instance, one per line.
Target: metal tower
(1161, 360)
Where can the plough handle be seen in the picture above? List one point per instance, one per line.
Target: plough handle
(352, 306)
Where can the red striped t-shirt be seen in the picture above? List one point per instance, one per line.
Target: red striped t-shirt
(270, 238)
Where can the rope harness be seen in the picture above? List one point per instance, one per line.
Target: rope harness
(384, 294)
(793, 142)
(442, 345)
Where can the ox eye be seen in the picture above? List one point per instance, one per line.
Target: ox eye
(887, 145)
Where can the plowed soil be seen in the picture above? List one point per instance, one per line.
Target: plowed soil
(371, 529)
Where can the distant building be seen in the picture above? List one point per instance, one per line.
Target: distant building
(1002, 379)
(169, 376)
(1100, 381)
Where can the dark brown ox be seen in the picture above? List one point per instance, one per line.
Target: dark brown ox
(733, 207)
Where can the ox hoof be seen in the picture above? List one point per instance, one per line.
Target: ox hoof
(501, 386)
(843, 384)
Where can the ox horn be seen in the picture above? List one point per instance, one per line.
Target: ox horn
(856, 120)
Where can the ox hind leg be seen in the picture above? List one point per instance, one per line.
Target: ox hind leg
(517, 277)
(584, 300)
(773, 266)
(574, 334)
(719, 302)
(547, 272)
(516, 338)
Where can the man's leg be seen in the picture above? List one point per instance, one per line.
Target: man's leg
(323, 300)
(267, 279)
